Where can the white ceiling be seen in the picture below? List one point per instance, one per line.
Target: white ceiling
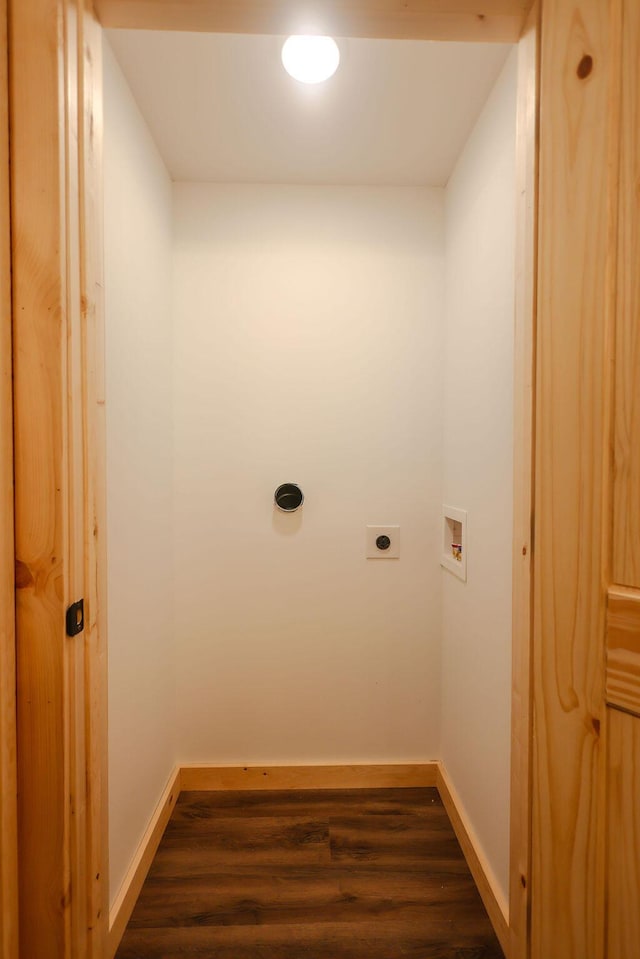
(222, 108)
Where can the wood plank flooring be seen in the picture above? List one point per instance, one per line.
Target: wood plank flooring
(327, 874)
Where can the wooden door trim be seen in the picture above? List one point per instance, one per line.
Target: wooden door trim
(626, 448)
(8, 786)
(90, 90)
(524, 28)
(498, 20)
(622, 848)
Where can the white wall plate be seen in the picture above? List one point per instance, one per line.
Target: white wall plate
(373, 551)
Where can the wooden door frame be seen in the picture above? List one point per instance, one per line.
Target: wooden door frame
(580, 107)
(527, 145)
(58, 357)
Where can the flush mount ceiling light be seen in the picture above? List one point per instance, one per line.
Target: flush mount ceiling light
(310, 59)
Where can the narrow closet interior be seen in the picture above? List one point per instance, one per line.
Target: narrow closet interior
(309, 284)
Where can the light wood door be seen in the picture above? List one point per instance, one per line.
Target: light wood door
(586, 643)
(55, 144)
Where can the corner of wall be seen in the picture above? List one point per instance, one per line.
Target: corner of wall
(138, 349)
(478, 470)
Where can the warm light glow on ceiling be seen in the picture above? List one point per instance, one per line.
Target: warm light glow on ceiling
(310, 59)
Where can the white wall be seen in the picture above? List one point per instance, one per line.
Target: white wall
(478, 475)
(274, 333)
(308, 348)
(138, 262)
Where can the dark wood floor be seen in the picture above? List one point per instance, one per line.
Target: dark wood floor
(333, 874)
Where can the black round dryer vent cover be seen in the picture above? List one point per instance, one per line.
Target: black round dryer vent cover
(289, 497)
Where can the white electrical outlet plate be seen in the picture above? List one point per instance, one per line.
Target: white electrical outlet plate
(373, 551)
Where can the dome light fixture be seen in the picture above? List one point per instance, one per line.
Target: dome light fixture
(310, 59)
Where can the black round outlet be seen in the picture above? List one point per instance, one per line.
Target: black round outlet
(383, 542)
(289, 497)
